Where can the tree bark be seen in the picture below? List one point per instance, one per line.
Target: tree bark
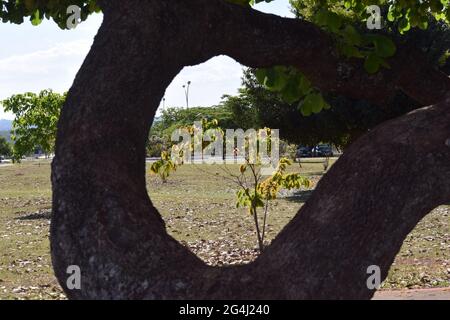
(104, 222)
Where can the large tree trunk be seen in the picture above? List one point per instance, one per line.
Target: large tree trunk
(104, 221)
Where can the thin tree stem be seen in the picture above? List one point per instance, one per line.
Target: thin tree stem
(264, 219)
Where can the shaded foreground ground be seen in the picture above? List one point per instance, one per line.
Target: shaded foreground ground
(198, 205)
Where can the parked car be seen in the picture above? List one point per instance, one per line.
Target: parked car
(304, 152)
(323, 150)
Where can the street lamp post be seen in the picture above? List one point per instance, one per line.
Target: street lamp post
(164, 103)
(186, 93)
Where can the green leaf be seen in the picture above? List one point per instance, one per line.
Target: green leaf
(423, 24)
(321, 17)
(350, 51)
(305, 109)
(384, 47)
(334, 22)
(328, 19)
(404, 25)
(279, 78)
(313, 103)
(297, 87)
(35, 18)
(260, 75)
(443, 59)
(393, 13)
(291, 92)
(351, 35)
(274, 79)
(391, 16)
(305, 85)
(372, 63)
(269, 81)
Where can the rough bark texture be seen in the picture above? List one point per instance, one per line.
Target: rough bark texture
(104, 221)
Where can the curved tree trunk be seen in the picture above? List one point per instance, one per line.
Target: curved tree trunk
(104, 221)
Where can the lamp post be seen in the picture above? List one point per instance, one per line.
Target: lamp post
(164, 103)
(186, 93)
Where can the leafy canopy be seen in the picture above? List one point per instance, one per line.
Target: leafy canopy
(15, 11)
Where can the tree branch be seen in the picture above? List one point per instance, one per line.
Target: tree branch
(257, 39)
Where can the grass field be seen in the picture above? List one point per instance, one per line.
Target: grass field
(198, 205)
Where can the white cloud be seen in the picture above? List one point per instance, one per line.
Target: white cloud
(53, 68)
(36, 58)
(42, 61)
(210, 80)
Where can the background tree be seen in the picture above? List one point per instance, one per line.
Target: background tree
(103, 219)
(36, 117)
(5, 148)
(174, 118)
(157, 144)
(243, 108)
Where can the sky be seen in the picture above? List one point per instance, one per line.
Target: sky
(45, 57)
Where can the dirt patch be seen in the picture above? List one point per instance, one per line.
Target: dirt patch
(417, 294)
